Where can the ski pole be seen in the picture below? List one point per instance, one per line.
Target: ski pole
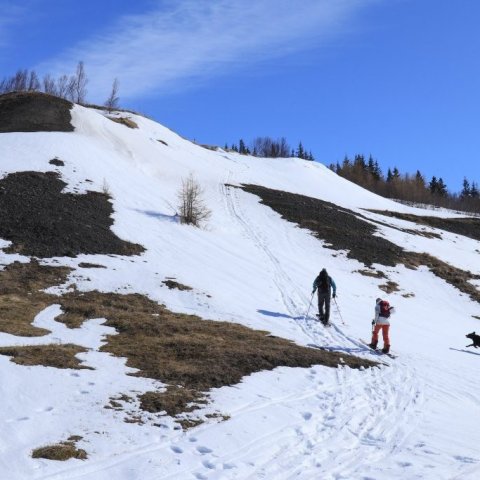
(309, 305)
(338, 310)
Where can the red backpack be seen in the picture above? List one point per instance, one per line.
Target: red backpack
(384, 309)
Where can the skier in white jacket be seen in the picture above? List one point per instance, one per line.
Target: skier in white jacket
(381, 322)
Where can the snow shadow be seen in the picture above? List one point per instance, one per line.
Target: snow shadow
(339, 348)
(465, 351)
(278, 315)
(159, 216)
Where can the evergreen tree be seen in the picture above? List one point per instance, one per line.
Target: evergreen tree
(377, 172)
(419, 178)
(241, 147)
(389, 176)
(371, 166)
(433, 185)
(466, 192)
(300, 151)
(474, 193)
(359, 162)
(442, 188)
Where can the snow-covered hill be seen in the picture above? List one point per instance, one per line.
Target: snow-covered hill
(414, 417)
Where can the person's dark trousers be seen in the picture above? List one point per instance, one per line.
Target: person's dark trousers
(324, 301)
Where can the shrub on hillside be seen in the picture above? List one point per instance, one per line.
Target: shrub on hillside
(192, 208)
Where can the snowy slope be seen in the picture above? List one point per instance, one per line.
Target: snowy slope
(415, 418)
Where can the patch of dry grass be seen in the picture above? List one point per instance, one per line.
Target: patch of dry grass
(185, 351)
(454, 276)
(54, 355)
(187, 423)
(21, 296)
(61, 451)
(389, 287)
(29, 278)
(372, 273)
(128, 122)
(90, 265)
(17, 314)
(189, 354)
(173, 401)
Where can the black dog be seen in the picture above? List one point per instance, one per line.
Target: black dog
(475, 339)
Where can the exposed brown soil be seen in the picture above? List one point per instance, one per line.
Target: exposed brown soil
(411, 231)
(343, 229)
(57, 356)
(339, 228)
(90, 265)
(42, 221)
(34, 112)
(468, 226)
(60, 451)
(172, 284)
(56, 162)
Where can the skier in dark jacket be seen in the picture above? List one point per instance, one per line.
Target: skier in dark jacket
(325, 284)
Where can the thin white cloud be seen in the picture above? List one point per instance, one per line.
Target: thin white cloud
(183, 42)
(11, 14)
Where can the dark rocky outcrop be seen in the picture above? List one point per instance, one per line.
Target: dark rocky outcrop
(42, 221)
(34, 112)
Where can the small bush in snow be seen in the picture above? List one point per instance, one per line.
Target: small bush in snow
(192, 209)
(106, 188)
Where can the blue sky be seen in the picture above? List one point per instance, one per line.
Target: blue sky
(398, 79)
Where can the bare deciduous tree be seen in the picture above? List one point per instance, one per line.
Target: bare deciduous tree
(33, 82)
(79, 84)
(49, 85)
(69, 87)
(267, 147)
(192, 208)
(112, 100)
(20, 81)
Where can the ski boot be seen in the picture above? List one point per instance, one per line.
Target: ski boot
(373, 345)
(386, 349)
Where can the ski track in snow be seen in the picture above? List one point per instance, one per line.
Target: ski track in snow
(336, 403)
